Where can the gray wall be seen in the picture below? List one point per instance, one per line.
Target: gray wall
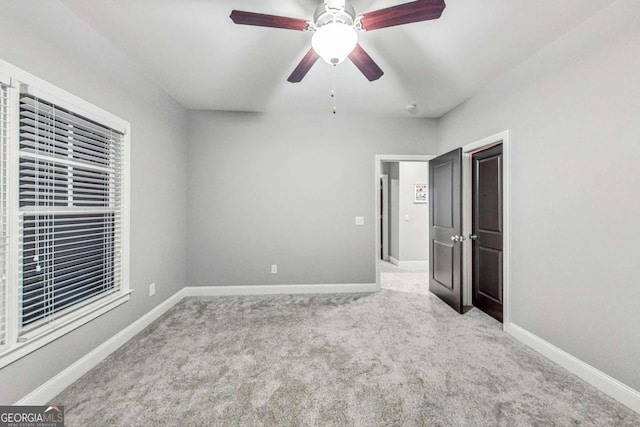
(414, 232)
(46, 40)
(275, 189)
(574, 113)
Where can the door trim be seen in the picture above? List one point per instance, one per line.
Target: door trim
(503, 138)
(379, 158)
(384, 178)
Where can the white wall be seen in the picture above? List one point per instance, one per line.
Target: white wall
(574, 112)
(279, 189)
(48, 41)
(413, 233)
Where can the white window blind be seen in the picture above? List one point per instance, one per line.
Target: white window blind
(4, 232)
(70, 212)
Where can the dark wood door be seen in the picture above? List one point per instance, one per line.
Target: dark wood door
(445, 262)
(487, 231)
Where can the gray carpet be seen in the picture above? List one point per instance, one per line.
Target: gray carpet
(397, 279)
(387, 359)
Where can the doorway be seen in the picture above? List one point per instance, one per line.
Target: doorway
(378, 172)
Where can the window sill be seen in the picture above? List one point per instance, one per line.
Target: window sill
(84, 316)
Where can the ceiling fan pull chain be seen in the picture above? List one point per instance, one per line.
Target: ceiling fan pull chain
(333, 88)
(333, 98)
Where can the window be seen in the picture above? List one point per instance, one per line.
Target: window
(63, 213)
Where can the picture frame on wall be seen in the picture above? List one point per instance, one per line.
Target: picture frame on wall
(420, 193)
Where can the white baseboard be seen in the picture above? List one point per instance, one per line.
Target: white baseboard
(64, 379)
(410, 265)
(331, 288)
(614, 388)
(414, 265)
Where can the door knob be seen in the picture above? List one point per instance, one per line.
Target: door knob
(473, 236)
(455, 238)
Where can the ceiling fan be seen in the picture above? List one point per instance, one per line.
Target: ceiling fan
(335, 26)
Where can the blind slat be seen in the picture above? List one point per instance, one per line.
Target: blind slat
(29, 153)
(69, 251)
(56, 147)
(67, 279)
(52, 210)
(45, 311)
(51, 125)
(35, 93)
(40, 111)
(88, 288)
(81, 179)
(70, 260)
(60, 240)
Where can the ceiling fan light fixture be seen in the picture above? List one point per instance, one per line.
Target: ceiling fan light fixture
(335, 24)
(334, 42)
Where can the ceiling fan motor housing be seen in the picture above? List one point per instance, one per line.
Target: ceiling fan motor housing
(325, 14)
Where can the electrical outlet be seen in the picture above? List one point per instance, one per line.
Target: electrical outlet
(274, 269)
(359, 220)
(152, 289)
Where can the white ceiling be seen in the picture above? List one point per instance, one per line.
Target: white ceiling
(194, 51)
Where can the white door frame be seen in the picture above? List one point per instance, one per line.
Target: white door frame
(467, 203)
(379, 158)
(384, 178)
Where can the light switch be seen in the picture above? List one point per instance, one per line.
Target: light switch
(359, 220)
(406, 217)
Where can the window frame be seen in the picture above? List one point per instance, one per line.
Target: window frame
(17, 347)
(5, 82)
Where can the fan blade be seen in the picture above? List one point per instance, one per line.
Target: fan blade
(415, 11)
(304, 66)
(273, 21)
(363, 61)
